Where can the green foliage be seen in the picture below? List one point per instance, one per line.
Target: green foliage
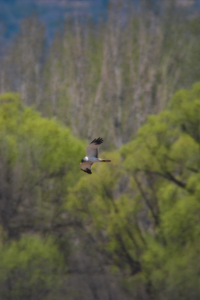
(39, 162)
(143, 209)
(164, 161)
(54, 142)
(29, 267)
(106, 214)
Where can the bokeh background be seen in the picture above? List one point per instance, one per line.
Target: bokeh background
(127, 71)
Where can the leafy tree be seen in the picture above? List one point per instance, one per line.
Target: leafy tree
(39, 161)
(143, 210)
(30, 268)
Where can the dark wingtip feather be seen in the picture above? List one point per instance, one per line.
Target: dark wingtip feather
(97, 141)
(87, 171)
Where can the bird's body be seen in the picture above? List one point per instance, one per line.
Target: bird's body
(92, 156)
(91, 159)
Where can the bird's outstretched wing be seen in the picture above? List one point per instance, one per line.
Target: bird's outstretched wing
(92, 148)
(86, 167)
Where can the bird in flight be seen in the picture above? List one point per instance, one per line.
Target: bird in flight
(92, 156)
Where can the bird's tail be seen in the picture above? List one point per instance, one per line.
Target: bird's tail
(105, 160)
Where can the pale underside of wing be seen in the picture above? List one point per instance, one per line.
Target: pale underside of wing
(86, 167)
(92, 148)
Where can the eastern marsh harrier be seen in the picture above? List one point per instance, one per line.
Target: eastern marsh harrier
(92, 156)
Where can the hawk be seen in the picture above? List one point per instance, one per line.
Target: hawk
(92, 156)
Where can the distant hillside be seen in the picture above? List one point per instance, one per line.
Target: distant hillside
(53, 12)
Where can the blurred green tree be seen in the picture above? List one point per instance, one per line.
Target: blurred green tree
(39, 161)
(143, 210)
(30, 268)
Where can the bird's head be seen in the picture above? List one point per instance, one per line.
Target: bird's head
(82, 160)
